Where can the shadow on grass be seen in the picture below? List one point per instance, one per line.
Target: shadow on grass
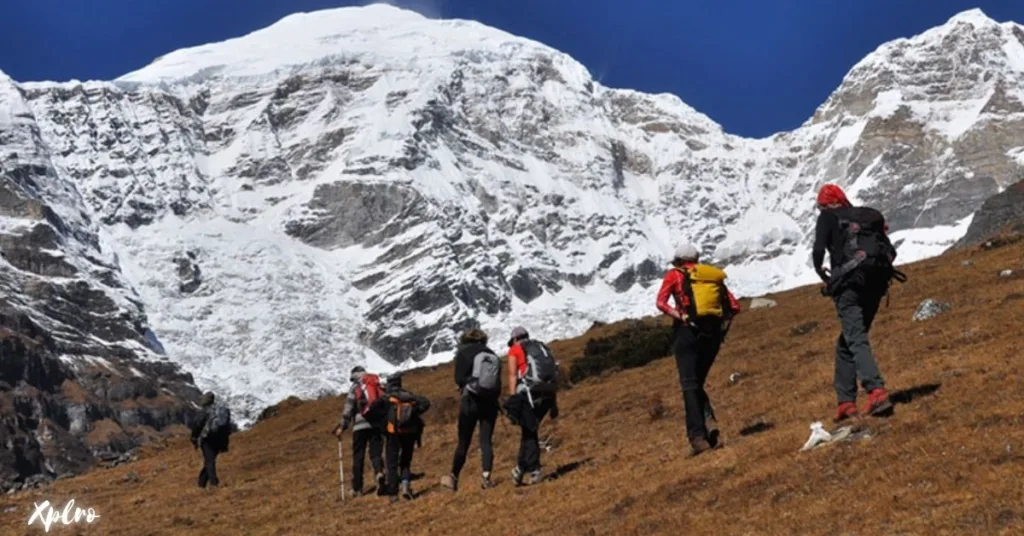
(565, 469)
(756, 428)
(906, 396)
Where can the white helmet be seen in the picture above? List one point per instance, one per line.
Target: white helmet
(687, 252)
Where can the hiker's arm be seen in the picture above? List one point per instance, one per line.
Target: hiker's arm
(513, 368)
(668, 289)
(822, 230)
(349, 411)
(463, 368)
(423, 404)
(733, 304)
(197, 427)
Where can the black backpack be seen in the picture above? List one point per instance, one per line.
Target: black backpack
(541, 368)
(867, 253)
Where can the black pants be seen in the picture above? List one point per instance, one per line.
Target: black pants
(360, 439)
(695, 349)
(856, 307)
(399, 459)
(473, 410)
(529, 422)
(209, 472)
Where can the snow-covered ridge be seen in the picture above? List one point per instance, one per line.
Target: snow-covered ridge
(359, 184)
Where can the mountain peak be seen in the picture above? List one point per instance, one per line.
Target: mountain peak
(376, 33)
(974, 16)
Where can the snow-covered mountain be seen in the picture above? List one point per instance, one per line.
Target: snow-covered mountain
(359, 184)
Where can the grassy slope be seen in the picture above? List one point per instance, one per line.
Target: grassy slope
(949, 461)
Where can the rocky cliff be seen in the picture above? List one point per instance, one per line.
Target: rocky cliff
(81, 375)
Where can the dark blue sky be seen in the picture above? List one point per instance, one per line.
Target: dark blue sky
(755, 66)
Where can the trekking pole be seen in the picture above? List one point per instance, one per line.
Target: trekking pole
(341, 471)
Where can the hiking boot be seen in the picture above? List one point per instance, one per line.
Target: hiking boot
(357, 493)
(517, 476)
(485, 481)
(712, 427)
(407, 490)
(878, 403)
(450, 482)
(381, 482)
(394, 499)
(846, 410)
(699, 445)
(535, 477)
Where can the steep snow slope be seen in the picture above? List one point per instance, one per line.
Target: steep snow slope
(361, 183)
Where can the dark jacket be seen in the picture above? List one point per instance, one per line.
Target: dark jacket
(830, 236)
(464, 357)
(219, 440)
(378, 413)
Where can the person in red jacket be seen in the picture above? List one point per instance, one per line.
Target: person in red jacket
(703, 308)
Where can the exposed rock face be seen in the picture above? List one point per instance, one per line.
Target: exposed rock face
(80, 379)
(1001, 214)
(363, 183)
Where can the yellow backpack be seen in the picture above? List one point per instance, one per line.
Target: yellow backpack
(703, 285)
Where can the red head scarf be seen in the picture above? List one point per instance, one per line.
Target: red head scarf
(830, 193)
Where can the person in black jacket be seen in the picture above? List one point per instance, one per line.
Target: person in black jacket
(212, 442)
(400, 441)
(857, 283)
(475, 407)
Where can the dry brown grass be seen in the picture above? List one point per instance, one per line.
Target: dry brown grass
(949, 461)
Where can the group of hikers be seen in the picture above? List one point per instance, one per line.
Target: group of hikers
(388, 417)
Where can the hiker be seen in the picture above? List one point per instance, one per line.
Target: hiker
(211, 433)
(533, 393)
(478, 377)
(860, 257)
(703, 309)
(365, 389)
(399, 413)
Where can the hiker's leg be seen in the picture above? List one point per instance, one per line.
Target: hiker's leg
(376, 440)
(467, 422)
(851, 306)
(846, 368)
(210, 462)
(708, 345)
(528, 448)
(359, 441)
(202, 474)
(685, 348)
(488, 412)
(867, 366)
(391, 456)
(408, 445)
(540, 410)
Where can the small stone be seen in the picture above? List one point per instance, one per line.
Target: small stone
(1006, 273)
(762, 303)
(966, 263)
(930, 308)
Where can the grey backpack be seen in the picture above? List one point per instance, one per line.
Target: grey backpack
(220, 419)
(486, 377)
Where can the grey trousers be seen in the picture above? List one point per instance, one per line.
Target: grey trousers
(856, 308)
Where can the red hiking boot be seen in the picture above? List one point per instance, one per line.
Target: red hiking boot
(846, 410)
(878, 402)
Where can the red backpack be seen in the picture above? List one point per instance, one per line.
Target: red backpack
(367, 392)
